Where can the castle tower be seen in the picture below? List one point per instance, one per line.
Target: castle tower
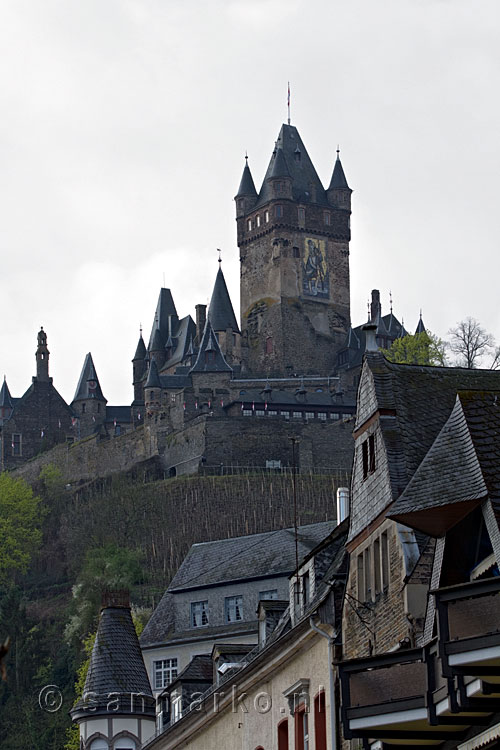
(6, 406)
(294, 252)
(138, 369)
(117, 708)
(152, 390)
(42, 358)
(89, 403)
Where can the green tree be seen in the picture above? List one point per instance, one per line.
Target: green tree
(20, 521)
(419, 349)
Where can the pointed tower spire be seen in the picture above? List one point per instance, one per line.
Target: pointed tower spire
(247, 185)
(338, 177)
(88, 384)
(339, 192)
(420, 327)
(220, 310)
(153, 380)
(140, 351)
(210, 357)
(116, 669)
(5, 397)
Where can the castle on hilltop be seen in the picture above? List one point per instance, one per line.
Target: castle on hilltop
(212, 392)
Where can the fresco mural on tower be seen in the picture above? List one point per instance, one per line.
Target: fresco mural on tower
(315, 277)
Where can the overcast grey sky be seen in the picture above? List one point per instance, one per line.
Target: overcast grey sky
(123, 129)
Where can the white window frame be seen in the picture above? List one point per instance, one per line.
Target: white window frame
(166, 673)
(199, 610)
(233, 608)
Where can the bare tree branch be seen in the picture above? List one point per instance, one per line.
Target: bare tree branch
(470, 342)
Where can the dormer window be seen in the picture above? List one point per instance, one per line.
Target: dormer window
(233, 608)
(199, 614)
(368, 450)
(278, 187)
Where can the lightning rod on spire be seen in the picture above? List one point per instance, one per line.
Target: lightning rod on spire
(288, 102)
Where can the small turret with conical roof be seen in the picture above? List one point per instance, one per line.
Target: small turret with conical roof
(152, 389)
(139, 370)
(6, 405)
(223, 320)
(117, 703)
(89, 403)
(210, 357)
(247, 195)
(339, 192)
(420, 326)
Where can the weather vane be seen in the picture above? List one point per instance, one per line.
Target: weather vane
(219, 251)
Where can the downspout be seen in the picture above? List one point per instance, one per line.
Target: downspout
(333, 707)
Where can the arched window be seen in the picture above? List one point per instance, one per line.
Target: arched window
(320, 721)
(269, 345)
(99, 744)
(125, 742)
(283, 735)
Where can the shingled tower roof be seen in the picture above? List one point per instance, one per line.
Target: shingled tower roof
(420, 327)
(247, 185)
(338, 177)
(210, 357)
(116, 667)
(220, 311)
(290, 159)
(165, 310)
(5, 397)
(88, 385)
(153, 379)
(140, 352)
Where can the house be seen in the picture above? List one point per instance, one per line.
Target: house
(421, 640)
(213, 597)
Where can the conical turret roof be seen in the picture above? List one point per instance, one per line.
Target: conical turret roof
(88, 385)
(140, 352)
(156, 341)
(338, 177)
(280, 168)
(153, 379)
(165, 311)
(5, 397)
(210, 357)
(220, 310)
(247, 185)
(420, 327)
(116, 668)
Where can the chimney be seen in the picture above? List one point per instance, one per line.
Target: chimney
(370, 330)
(342, 504)
(375, 307)
(115, 598)
(201, 319)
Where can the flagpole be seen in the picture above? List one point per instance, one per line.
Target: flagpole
(288, 101)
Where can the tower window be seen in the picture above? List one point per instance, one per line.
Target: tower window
(302, 214)
(278, 186)
(278, 212)
(296, 252)
(326, 217)
(84, 406)
(16, 444)
(266, 216)
(258, 221)
(269, 345)
(240, 203)
(249, 225)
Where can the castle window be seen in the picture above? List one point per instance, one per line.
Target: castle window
(322, 416)
(258, 221)
(16, 444)
(309, 415)
(269, 594)
(249, 225)
(266, 217)
(164, 672)
(285, 414)
(269, 345)
(302, 214)
(334, 415)
(247, 412)
(172, 398)
(278, 186)
(364, 575)
(151, 395)
(368, 449)
(199, 614)
(385, 560)
(98, 408)
(326, 218)
(240, 204)
(84, 406)
(233, 606)
(278, 212)
(297, 415)
(296, 252)
(209, 357)
(272, 413)
(260, 413)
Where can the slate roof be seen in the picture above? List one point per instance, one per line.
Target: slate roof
(463, 463)
(280, 397)
(220, 310)
(153, 379)
(116, 663)
(247, 185)
(88, 375)
(199, 669)
(355, 341)
(165, 308)
(338, 177)
(157, 344)
(122, 414)
(5, 397)
(302, 171)
(420, 327)
(140, 352)
(209, 343)
(420, 399)
(258, 555)
(184, 334)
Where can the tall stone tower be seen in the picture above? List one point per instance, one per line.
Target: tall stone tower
(294, 251)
